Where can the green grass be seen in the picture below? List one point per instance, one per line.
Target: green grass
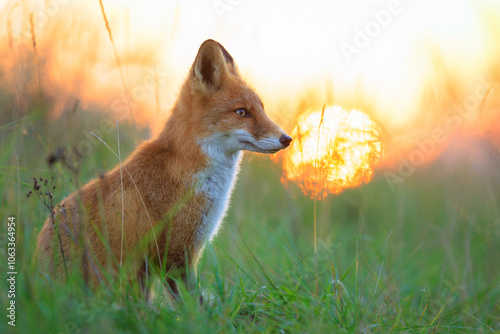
(422, 259)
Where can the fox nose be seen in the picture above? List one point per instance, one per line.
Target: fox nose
(285, 140)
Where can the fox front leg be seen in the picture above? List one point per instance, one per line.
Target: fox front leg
(186, 277)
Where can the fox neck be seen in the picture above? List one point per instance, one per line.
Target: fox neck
(178, 136)
(207, 166)
(216, 183)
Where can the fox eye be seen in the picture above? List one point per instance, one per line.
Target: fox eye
(242, 112)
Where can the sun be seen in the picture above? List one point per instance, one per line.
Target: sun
(332, 150)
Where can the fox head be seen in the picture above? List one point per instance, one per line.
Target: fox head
(225, 114)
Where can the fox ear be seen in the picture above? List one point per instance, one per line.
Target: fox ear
(210, 67)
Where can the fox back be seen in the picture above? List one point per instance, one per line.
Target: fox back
(167, 200)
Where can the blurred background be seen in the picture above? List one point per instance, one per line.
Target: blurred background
(423, 235)
(413, 66)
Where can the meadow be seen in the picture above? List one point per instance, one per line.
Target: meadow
(423, 257)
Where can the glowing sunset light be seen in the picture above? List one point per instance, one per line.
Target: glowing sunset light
(406, 62)
(333, 149)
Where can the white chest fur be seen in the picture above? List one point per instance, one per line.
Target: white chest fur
(216, 183)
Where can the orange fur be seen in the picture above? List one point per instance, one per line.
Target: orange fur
(175, 182)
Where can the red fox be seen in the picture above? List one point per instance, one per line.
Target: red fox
(167, 200)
